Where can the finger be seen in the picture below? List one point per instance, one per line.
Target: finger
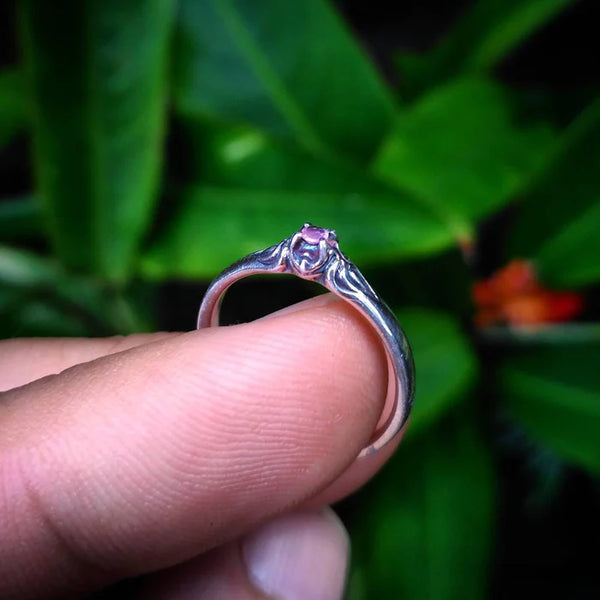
(142, 459)
(299, 556)
(23, 360)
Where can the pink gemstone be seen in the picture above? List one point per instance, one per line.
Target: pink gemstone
(313, 235)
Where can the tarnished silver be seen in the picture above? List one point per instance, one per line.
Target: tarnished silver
(313, 253)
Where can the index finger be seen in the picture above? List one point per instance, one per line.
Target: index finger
(142, 459)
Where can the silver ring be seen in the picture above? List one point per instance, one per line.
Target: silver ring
(313, 253)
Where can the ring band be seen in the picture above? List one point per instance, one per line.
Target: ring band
(313, 253)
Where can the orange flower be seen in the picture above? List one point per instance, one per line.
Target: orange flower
(515, 296)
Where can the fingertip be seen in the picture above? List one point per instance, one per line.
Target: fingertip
(298, 556)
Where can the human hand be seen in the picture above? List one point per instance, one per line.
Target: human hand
(199, 460)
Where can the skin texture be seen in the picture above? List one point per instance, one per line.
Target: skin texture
(165, 455)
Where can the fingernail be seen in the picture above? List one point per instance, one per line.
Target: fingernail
(302, 556)
(317, 301)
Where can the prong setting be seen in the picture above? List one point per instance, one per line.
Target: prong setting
(311, 248)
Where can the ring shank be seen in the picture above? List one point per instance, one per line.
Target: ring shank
(400, 392)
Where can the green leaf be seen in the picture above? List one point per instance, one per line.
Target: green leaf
(12, 104)
(484, 35)
(460, 150)
(445, 364)
(102, 309)
(19, 218)
(554, 391)
(428, 524)
(260, 191)
(28, 316)
(19, 268)
(97, 70)
(289, 68)
(216, 226)
(242, 157)
(559, 222)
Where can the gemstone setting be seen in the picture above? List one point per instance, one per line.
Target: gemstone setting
(313, 235)
(310, 248)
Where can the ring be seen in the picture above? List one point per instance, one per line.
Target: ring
(313, 253)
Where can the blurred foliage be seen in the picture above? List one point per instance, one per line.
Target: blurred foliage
(12, 109)
(98, 135)
(251, 62)
(283, 119)
(436, 150)
(565, 242)
(413, 546)
(444, 355)
(556, 399)
(488, 32)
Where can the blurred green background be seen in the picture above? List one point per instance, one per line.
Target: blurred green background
(443, 141)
